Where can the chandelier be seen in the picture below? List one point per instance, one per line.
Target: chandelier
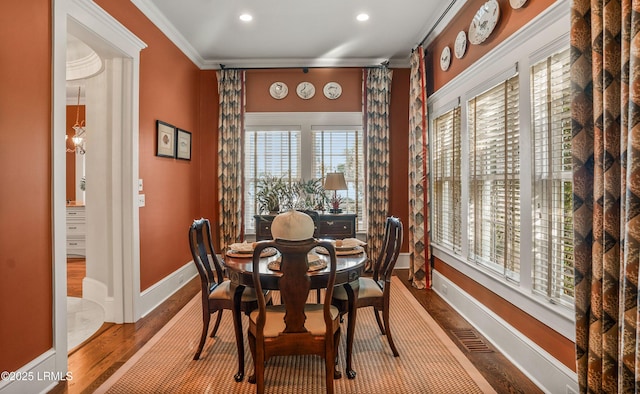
(79, 130)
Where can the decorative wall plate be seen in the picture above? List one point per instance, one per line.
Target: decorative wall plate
(332, 90)
(305, 90)
(460, 46)
(484, 22)
(279, 90)
(515, 4)
(445, 58)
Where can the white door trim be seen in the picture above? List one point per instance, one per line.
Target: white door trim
(87, 21)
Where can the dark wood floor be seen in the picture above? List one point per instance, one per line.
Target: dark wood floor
(97, 359)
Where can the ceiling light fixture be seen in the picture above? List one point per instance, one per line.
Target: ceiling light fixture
(79, 130)
(362, 17)
(246, 18)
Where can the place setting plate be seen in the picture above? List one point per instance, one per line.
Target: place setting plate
(344, 247)
(245, 250)
(315, 263)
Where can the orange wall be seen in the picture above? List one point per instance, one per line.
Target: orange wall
(510, 21)
(169, 91)
(259, 100)
(555, 344)
(26, 290)
(259, 81)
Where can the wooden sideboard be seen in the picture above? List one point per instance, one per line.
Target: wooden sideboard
(334, 226)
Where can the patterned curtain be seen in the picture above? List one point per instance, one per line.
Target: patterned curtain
(231, 93)
(419, 249)
(605, 111)
(377, 96)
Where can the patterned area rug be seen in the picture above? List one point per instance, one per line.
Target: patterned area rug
(429, 361)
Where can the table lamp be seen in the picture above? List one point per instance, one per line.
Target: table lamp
(335, 181)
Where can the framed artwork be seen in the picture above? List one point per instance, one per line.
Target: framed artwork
(183, 145)
(166, 139)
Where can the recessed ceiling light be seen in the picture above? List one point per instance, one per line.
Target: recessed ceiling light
(246, 18)
(362, 17)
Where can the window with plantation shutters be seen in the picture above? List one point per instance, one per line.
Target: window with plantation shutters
(447, 185)
(341, 150)
(311, 146)
(494, 184)
(552, 186)
(268, 153)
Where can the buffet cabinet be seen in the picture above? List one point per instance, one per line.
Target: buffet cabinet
(333, 226)
(76, 228)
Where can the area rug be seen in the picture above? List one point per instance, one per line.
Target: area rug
(429, 361)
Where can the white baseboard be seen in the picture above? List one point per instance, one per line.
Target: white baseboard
(96, 291)
(159, 292)
(38, 376)
(403, 261)
(545, 371)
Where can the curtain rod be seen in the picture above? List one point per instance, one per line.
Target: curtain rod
(305, 69)
(437, 22)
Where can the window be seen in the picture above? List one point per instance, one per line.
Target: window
(269, 153)
(342, 151)
(494, 184)
(446, 180)
(318, 143)
(515, 220)
(552, 187)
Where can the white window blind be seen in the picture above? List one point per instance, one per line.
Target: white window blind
(494, 185)
(342, 150)
(553, 188)
(268, 153)
(303, 146)
(446, 181)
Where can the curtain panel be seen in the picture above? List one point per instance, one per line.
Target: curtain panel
(376, 100)
(419, 248)
(230, 127)
(605, 146)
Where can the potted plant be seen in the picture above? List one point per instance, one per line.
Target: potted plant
(275, 194)
(335, 204)
(310, 195)
(270, 193)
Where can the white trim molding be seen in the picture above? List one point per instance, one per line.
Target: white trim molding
(538, 365)
(161, 291)
(38, 376)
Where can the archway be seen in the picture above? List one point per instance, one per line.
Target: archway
(115, 121)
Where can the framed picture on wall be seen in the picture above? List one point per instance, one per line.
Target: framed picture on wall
(183, 145)
(166, 139)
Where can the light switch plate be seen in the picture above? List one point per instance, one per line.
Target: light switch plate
(141, 200)
(139, 185)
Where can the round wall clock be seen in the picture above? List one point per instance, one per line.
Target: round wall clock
(515, 4)
(460, 46)
(332, 90)
(305, 90)
(484, 22)
(445, 58)
(279, 90)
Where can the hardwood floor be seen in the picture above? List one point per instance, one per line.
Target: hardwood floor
(95, 361)
(76, 270)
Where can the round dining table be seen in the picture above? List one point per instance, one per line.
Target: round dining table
(240, 272)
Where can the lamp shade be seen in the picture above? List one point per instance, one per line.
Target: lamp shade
(335, 181)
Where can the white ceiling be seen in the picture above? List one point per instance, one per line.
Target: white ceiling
(298, 33)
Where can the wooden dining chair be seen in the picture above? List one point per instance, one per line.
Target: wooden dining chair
(375, 291)
(215, 292)
(294, 327)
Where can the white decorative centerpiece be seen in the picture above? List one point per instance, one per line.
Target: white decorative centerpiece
(292, 226)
